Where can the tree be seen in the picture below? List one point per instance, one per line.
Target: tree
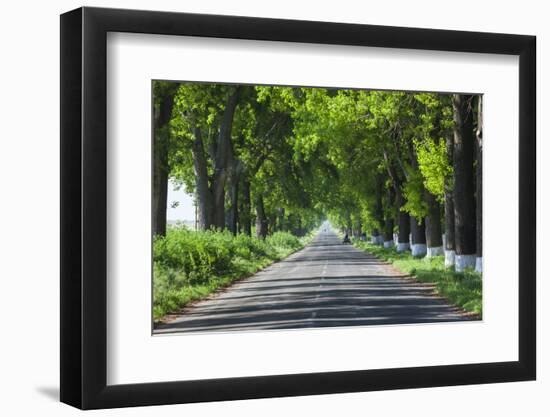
(403, 218)
(463, 192)
(282, 158)
(479, 187)
(418, 209)
(222, 158)
(449, 206)
(435, 122)
(245, 217)
(418, 236)
(389, 217)
(203, 123)
(235, 170)
(164, 93)
(261, 219)
(203, 194)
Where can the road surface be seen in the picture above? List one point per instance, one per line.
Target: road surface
(325, 284)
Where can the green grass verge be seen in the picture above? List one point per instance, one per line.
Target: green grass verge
(463, 289)
(189, 265)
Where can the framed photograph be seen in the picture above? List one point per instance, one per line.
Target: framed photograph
(259, 208)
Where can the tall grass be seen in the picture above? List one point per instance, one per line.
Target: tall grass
(189, 265)
(463, 289)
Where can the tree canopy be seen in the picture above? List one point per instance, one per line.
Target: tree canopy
(270, 158)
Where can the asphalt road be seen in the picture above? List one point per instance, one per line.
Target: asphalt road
(325, 284)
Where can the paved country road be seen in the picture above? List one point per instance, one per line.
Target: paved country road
(325, 284)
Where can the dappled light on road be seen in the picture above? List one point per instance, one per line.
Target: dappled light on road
(324, 285)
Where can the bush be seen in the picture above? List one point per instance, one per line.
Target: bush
(188, 265)
(284, 240)
(196, 255)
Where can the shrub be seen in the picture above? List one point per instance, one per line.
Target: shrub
(188, 265)
(283, 240)
(195, 254)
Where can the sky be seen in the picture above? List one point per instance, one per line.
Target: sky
(185, 210)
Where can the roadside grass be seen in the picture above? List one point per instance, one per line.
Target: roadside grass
(189, 265)
(463, 289)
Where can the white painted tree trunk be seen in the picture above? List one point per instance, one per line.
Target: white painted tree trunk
(479, 264)
(449, 258)
(388, 244)
(377, 240)
(435, 251)
(464, 261)
(402, 247)
(419, 249)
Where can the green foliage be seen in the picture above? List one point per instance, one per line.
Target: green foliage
(283, 240)
(315, 151)
(434, 165)
(463, 289)
(306, 154)
(189, 265)
(413, 190)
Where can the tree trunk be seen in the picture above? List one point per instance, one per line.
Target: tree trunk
(235, 170)
(479, 186)
(281, 219)
(378, 212)
(244, 215)
(404, 224)
(358, 231)
(418, 233)
(403, 243)
(449, 210)
(160, 162)
(203, 196)
(388, 232)
(403, 218)
(389, 218)
(222, 159)
(160, 195)
(218, 188)
(233, 211)
(464, 202)
(376, 238)
(272, 223)
(299, 231)
(433, 226)
(348, 223)
(261, 219)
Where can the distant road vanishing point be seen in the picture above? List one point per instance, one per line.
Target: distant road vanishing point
(326, 284)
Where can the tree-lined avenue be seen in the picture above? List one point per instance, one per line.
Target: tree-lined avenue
(325, 284)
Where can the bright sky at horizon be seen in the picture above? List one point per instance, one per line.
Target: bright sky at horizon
(185, 209)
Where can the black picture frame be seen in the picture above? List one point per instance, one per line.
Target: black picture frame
(84, 207)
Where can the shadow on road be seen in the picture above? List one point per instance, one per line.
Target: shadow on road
(325, 285)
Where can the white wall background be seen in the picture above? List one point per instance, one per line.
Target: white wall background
(29, 219)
